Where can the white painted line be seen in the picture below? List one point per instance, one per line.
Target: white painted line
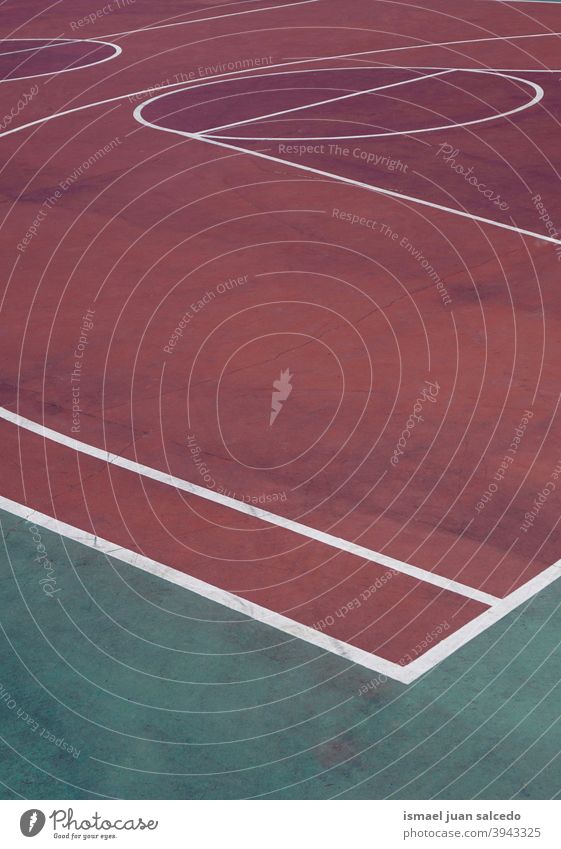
(172, 20)
(472, 629)
(429, 44)
(249, 509)
(212, 18)
(322, 102)
(52, 42)
(115, 47)
(405, 674)
(339, 178)
(229, 600)
(238, 74)
(538, 95)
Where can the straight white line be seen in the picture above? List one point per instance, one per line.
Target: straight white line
(236, 74)
(58, 42)
(429, 44)
(323, 102)
(172, 19)
(229, 600)
(249, 509)
(351, 182)
(118, 50)
(299, 62)
(538, 95)
(212, 18)
(505, 606)
(404, 674)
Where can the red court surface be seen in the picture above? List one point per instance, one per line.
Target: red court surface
(281, 312)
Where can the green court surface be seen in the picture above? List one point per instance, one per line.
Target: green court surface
(123, 685)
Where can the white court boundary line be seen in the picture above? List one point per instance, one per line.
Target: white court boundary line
(52, 42)
(538, 96)
(209, 591)
(446, 647)
(472, 629)
(212, 18)
(249, 509)
(409, 81)
(405, 674)
(500, 608)
(216, 78)
(118, 50)
(329, 174)
(180, 86)
(438, 44)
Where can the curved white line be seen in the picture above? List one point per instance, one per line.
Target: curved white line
(212, 18)
(337, 177)
(51, 42)
(183, 86)
(177, 86)
(538, 95)
(118, 50)
(213, 130)
(227, 599)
